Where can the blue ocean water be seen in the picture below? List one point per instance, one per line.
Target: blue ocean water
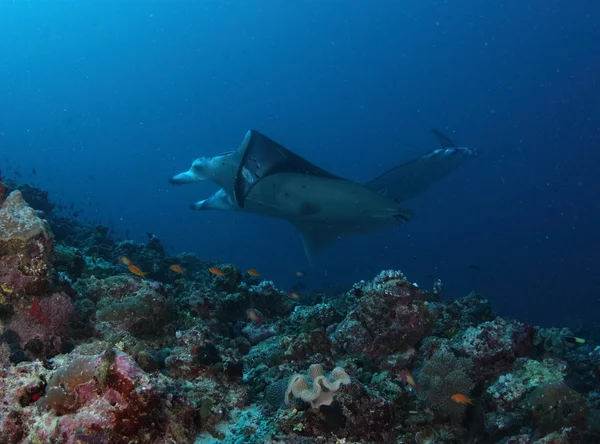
(107, 100)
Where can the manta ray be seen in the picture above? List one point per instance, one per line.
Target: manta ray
(263, 177)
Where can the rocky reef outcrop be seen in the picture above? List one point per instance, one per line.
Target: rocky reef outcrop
(26, 252)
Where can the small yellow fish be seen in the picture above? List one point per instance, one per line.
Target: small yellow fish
(135, 270)
(461, 399)
(255, 316)
(6, 288)
(574, 340)
(216, 271)
(253, 272)
(409, 381)
(294, 296)
(125, 260)
(177, 269)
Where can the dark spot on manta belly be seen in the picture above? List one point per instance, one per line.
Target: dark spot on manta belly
(308, 209)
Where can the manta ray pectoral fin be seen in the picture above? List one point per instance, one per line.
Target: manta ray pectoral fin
(413, 178)
(263, 157)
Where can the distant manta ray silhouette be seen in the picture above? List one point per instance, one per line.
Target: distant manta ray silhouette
(263, 177)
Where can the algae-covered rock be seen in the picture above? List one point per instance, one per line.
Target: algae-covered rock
(126, 303)
(502, 400)
(69, 260)
(389, 317)
(26, 249)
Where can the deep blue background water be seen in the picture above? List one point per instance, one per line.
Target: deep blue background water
(131, 92)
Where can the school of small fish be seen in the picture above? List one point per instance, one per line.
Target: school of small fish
(252, 314)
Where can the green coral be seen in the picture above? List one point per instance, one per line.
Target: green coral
(106, 365)
(551, 340)
(69, 260)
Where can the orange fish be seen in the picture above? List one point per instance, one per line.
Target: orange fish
(255, 316)
(176, 269)
(294, 296)
(125, 260)
(462, 399)
(216, 271)
(253, 272)
(135, 270)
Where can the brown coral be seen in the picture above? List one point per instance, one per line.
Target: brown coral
(443, 376)
(554, 405)
(61, 393)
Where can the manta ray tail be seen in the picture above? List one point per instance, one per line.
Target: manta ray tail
(315, 237)
(308, 252)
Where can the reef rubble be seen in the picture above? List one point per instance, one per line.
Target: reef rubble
(91, 351)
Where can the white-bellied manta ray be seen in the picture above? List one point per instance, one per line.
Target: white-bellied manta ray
(263, 177)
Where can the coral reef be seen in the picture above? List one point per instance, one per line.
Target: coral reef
(90, 352)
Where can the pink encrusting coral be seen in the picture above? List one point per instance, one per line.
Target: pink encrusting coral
(104, 397)
(44, 335)
(46, 319)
